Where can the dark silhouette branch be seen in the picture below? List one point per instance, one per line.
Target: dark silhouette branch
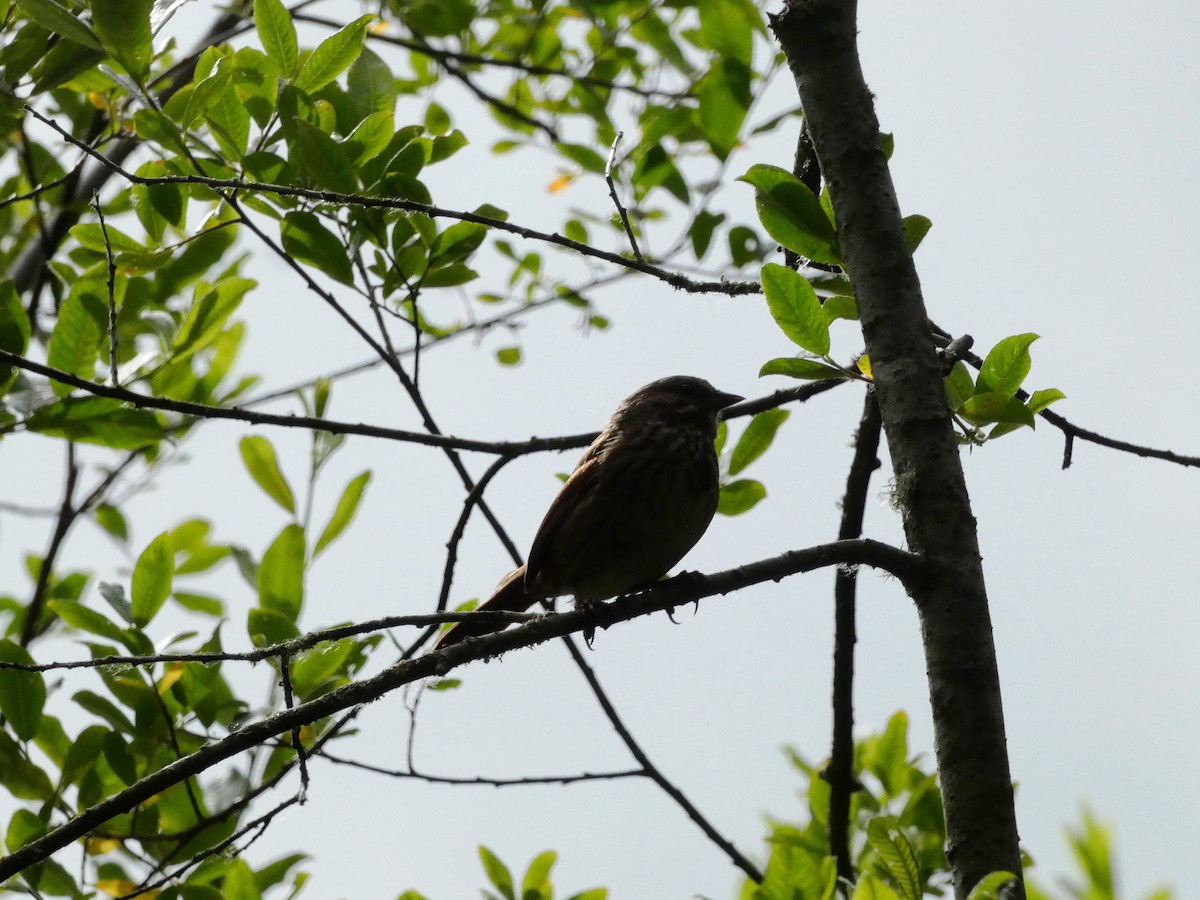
(67, 513)
(242, 414)
(479, 780)
(652, 771)
(840, 771)
(667, 595)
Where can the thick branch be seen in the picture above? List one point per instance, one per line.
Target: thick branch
(678, 591)
(819, 40)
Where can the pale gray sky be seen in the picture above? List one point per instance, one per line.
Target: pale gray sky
(1054, 147)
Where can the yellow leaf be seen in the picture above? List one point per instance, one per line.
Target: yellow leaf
(99, 846)
(173, 674)
(561, 183)
(117, 887)
(864, 365)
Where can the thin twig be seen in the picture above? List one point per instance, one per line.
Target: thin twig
(840, 771)
(653, 773)
(479, 780)
(612, 192)
(112, 296)
(66, 518)
(285, 678)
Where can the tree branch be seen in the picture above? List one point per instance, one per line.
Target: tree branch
(678, 591)
(840, 771)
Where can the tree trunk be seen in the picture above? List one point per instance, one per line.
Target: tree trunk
(819, 40)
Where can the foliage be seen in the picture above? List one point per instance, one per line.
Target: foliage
(128, 282)
(259, 141)
(897, 837)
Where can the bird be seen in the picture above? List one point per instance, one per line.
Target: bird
(639, 499)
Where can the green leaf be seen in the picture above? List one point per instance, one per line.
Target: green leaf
(989, 887)
(1006, 365)
(321, 158)
(537, 876)
(840, 307)
(868, 887)
(372, 86)
(740, 496)
(98, 420)
(984, 409)
(24, 827)
(897, 855)
(723, 93)
(14, 331)
(792, 215)
(81, 327)
(915, 229)
(343, 514)
(55, 17)
(306, 239)
(263, 466)
(207, 317)
(497, 873)
(114, 596)
(1041, 399)
(269, 626)
(333, 56)
(281, 574)
(110, 519)
(805, 369)
(508, 356)
(371, 137)
(19, 776)
(277, 33)
(123, 27)
(78, 616)
(439, 18)
(960, 387)
(152, 577)
(457, 242)
(795, 308)
(584, 157)
(700, 232)
(22, 694)
(756, 438)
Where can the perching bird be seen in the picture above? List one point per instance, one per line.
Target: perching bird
(639, 499)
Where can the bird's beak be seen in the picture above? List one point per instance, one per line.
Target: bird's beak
(724, 400)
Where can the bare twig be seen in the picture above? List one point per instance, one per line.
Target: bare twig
(612, 192)
(112, 297)
(840, 771)
(654, 773)
(66, 518)
(479, 780)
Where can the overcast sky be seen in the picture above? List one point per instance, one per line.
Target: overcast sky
(1054, 147)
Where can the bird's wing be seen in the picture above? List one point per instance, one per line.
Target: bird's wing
(570, 499)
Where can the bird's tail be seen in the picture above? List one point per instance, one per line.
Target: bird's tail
(510, 596)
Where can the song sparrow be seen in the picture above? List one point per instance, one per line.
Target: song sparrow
(639, 499)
